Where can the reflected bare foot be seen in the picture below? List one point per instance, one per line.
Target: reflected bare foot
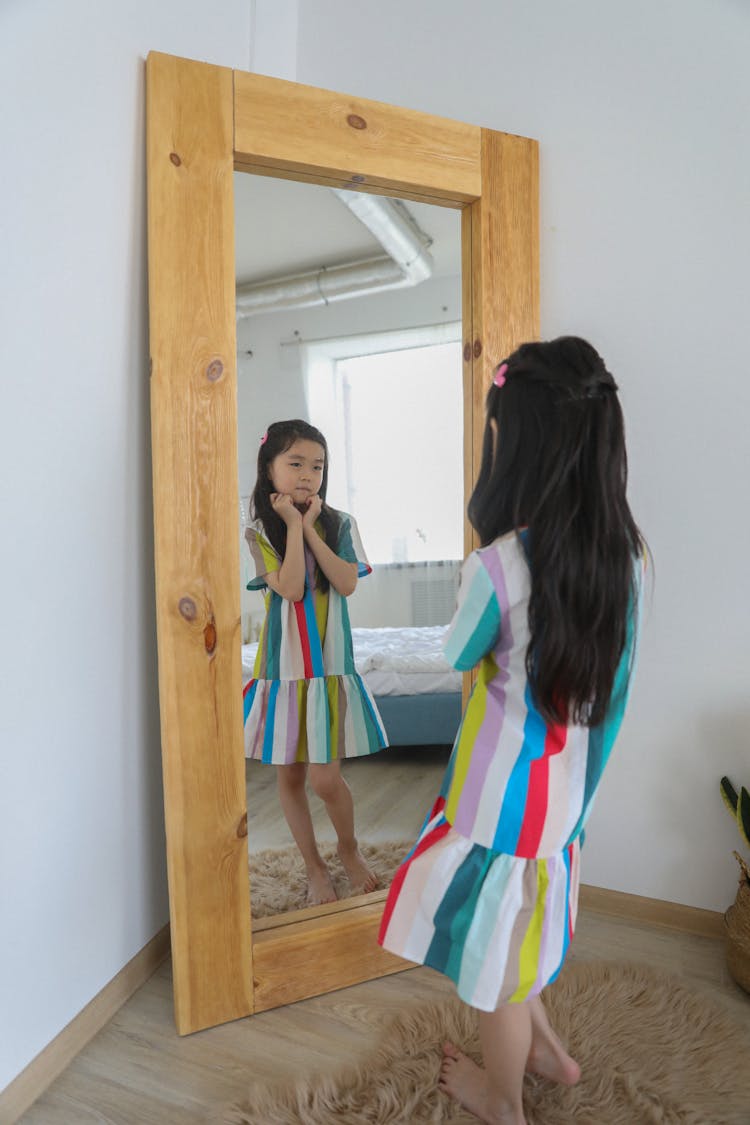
(360, 876)
(466, 1083)
(320, 886)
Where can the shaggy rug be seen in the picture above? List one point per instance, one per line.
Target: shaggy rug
(652, 1052)
(278, 882)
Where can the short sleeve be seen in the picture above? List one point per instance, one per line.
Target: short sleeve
(475, 627)
(349, 547)
(264, 556)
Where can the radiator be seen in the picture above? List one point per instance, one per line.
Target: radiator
(433, 600)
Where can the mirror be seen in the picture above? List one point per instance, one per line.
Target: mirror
(349, 317)
(203, 123)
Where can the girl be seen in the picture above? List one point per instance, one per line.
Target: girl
(548, 609)
(306, 706)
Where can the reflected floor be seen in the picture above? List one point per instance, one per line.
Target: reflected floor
(393, 791)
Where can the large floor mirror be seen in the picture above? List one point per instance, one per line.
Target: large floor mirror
(349, 317)
(318, 256)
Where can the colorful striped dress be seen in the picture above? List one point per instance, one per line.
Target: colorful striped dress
(306, 701)
(488, 894)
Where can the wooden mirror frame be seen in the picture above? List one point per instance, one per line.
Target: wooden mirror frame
(203, 122)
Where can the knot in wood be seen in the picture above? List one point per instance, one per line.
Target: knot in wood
(357, 179)
(209, 637)
(215, 370)
(188, 608)
(477, 349)
(242, 826)
(356, 121)
(175, 159)
(467, 352)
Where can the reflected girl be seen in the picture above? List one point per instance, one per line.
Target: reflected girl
(306, 706)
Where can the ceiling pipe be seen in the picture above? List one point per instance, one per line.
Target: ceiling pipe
(395, 229)
(408, 263)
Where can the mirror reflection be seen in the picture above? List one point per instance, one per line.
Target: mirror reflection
(351, 532)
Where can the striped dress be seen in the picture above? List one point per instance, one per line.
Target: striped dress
(488, 894)
(306, 701)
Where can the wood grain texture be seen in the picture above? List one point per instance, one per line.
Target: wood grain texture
(193, 145)
(467, 359)
(505, 260)
(194, 438)
(288, 127)
(500, 284)
(308, 958)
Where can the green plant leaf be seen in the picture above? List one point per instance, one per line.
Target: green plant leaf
(743, 815)
(729, 795)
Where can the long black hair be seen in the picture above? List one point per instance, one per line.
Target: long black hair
(560, 470)
(279, 437)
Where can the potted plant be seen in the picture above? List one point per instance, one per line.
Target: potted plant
(737, 918)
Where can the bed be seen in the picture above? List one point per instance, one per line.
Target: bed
(417, 693)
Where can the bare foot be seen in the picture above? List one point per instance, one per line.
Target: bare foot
(550, 1059)
(466, 1083)
(319, 886)
(360, 876)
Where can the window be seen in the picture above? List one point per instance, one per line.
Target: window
(391, 407)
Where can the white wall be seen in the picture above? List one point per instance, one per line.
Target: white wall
(82, 871)
(641, 111)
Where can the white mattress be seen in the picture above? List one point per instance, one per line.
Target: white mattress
(394, 660)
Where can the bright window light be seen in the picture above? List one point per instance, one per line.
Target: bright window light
(394, 422)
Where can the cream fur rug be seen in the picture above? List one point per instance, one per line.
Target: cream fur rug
(278, 882)
(652, 1051)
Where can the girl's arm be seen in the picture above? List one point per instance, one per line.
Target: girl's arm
(289, 580)
(475, 627)
(341, 574)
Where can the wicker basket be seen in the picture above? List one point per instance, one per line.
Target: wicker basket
(737, 920)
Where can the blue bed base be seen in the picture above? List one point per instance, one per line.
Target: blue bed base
(420, 720)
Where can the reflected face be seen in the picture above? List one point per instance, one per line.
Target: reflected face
(298, 471)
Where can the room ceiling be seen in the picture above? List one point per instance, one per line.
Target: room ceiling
(284, 227)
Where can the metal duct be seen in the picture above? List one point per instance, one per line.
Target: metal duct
(395, 229)
(408, 263)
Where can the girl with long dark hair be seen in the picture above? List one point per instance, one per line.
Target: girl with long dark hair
(306, 706)
(548, 609)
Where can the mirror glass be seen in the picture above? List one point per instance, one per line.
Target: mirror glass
(349, 317)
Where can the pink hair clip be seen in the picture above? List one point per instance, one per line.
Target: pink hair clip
(264, 439)
(499, 379)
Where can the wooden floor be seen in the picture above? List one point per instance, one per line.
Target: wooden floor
(138, 1071)
(393, 791)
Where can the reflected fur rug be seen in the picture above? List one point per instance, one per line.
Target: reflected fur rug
(652, 1051)
(278, 882)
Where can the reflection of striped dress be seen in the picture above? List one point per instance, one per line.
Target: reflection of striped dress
(306, 701)
(488, 894)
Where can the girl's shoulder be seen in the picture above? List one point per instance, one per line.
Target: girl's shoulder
(256, 535)
(508, 548)
(505, 564)
(255, 527)
(344, 521)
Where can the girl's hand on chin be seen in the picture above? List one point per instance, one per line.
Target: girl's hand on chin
(314, 506)
(283, 505)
